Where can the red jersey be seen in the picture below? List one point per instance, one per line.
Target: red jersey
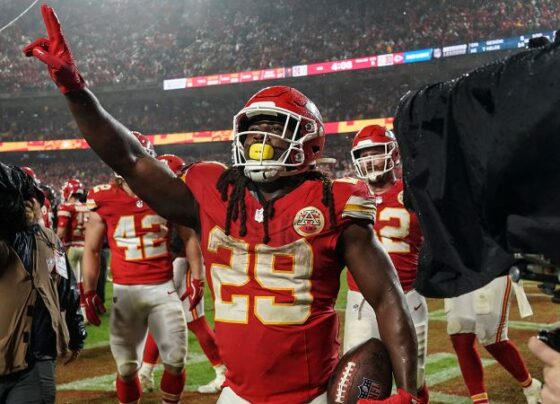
(46, 211)
(274, 303)
(138, 237)
(72, 217)
(398, 231)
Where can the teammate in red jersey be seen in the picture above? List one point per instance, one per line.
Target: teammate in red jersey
(70, 228)
(188, 277)
(275, 236)
(46, 208)
(375, 157)
(144, 296)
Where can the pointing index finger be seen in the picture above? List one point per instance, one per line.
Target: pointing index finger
(52, 23)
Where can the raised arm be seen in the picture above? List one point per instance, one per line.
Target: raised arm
(376, 277)
(111, 140)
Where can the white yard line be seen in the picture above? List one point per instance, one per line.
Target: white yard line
(451, 371)
(439, 315)
(105, 382)
(443, 398)
(441, 376)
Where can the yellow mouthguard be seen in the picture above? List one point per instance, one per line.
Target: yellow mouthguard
(258, 150)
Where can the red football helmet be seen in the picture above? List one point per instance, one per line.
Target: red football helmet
(145, 142)
(72, 186)
(378, 138)
(29, 171)
(303, 133)
(175, 163)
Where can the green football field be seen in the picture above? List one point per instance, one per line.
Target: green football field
(199, 369)
(443, 375)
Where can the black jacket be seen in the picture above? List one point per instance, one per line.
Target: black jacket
(482, 169)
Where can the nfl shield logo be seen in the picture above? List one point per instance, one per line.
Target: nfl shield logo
(369, 389)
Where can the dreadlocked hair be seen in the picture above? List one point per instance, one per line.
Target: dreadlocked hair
(236, 199)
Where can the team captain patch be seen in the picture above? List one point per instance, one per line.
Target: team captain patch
(309, 221)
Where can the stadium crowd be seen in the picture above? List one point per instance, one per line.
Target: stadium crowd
(184, 114)
(169, 39)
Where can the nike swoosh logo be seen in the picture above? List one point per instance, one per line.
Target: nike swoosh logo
(417, 307)
(171, 292)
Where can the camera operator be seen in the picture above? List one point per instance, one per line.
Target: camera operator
(40, 319)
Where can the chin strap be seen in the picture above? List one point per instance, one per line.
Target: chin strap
(260, 174)
(270, 173)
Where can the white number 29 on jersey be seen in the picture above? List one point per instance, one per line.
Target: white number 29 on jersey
(235, 309)
(151, 244)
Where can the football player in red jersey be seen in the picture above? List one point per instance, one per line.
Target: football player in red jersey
(70, 226)
(375, 156)
(46, 208)
(275, 236)
(144, 296)
(188, 277)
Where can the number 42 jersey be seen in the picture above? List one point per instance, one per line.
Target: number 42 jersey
(137, 236)
(274, 303)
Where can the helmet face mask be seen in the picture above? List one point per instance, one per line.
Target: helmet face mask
(295, 143)
(374, 152)
(372, 166)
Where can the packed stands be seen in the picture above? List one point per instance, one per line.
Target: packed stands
(166, 38)
(164, 114)
(125, 61)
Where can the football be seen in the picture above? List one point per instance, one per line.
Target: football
(363, 372)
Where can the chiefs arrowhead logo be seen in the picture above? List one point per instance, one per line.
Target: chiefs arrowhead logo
(309, 221)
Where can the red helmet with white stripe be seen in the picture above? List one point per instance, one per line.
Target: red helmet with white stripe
(72, 186)
(145, 142)
(303, 134)
(175, 163)
(29, 171)
(382, 152)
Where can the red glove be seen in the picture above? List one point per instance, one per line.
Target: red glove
(424, 395)
(402, 397)
(194, 292)
(55, 53)
(94, 307)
